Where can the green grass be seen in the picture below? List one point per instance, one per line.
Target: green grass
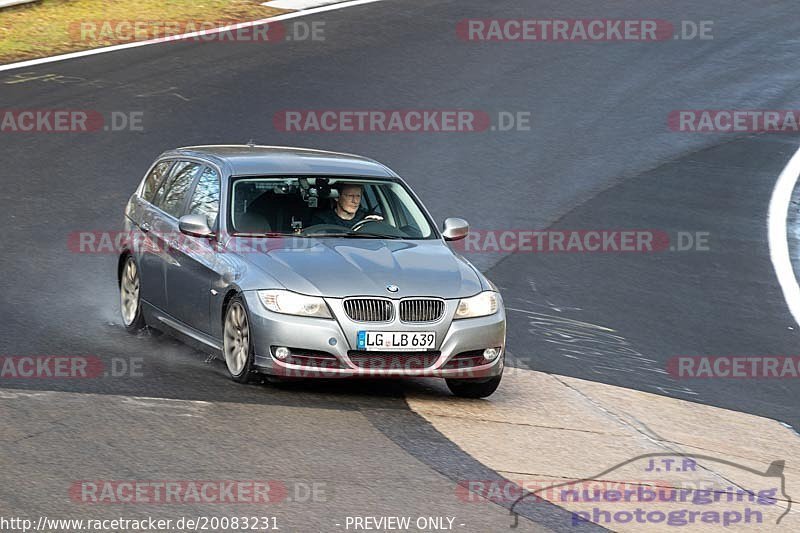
(52, 27)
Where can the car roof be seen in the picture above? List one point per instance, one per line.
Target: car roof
(254, 160)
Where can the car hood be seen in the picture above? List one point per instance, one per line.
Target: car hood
(341, 267)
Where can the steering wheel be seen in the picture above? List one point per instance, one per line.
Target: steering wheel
(366, 220)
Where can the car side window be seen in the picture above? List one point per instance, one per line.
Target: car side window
(153, 180)
(172, 195)
(177, 167)
(205, 200)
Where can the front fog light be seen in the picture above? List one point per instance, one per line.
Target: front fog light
(282, 353)
(490, 354)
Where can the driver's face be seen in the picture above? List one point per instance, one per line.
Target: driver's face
(350, 199)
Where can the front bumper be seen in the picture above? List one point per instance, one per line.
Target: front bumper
(337, 338)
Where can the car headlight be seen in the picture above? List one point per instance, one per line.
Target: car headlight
(483, 304)
(291, 303)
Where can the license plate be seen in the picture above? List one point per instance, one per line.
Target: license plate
(396, 341)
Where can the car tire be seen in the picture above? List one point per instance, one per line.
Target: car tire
(130, 301)
(472, 388)
(237, 342)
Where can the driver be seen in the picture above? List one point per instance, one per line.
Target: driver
(347, 211)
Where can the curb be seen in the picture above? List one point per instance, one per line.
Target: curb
(547, 433)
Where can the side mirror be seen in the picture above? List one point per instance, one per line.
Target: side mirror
(195, 225)
(455, 229)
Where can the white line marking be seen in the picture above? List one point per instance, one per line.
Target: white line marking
(9, 3)
(778, 241)
(299, 4)
(142, 400)
(95, 51)
(9, 395)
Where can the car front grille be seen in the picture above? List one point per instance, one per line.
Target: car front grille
(412, 310)
(421, 310)
(369, 310)
(393, 361)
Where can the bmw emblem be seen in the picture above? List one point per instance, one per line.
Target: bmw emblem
(392, 288)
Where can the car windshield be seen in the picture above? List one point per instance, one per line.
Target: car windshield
(325, 207)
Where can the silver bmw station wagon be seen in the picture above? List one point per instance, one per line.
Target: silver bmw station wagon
(297, 263)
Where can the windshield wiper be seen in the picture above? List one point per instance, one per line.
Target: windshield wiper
(268, 234)
(359, 234)
(377, 235)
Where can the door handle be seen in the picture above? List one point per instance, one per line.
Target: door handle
(145, 227)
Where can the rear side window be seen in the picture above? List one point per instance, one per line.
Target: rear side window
(172, 194)
(205, 200)
(153, 180)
